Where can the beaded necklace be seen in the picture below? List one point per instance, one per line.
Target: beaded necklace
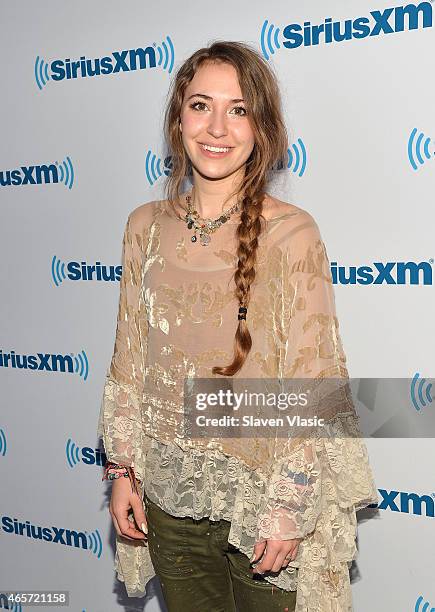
(209, 226)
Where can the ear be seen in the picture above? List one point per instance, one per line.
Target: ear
(179, 125)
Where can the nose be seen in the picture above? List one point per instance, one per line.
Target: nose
(217, 124)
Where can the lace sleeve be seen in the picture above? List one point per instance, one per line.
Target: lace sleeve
(306, 469)
(120, 415)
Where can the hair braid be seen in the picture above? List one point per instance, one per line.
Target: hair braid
(248, 232)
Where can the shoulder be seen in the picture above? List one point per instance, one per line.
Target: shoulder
(273, 207)
(140, 218)
(292, 219)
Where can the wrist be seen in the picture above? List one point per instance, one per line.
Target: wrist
(114, 471)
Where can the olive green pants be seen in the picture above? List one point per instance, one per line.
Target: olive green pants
(199, 571)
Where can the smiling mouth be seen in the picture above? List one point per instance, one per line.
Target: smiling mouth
(214, 149)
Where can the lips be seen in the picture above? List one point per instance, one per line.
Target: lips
(207, 144)
(213, 154)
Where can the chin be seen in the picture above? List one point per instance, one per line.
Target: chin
(214, 173)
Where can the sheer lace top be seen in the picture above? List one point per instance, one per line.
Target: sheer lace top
(177, 318)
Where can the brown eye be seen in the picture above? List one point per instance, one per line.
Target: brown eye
(242, 108)
(195, 104)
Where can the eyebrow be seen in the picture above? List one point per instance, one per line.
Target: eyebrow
(210, 98)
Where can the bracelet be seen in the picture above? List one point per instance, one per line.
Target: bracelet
(110, 474)
(115, 475)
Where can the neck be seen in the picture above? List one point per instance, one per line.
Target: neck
(213, 197)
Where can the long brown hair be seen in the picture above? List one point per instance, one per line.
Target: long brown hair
(262, 98)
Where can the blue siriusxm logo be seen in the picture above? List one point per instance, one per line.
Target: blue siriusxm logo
(140, 58)
(81, 271)
(47, 362)
(3, 443)
(42, 174)
(56, 535)
(388, 21)
(418, 149)
(297, 158)
(86, 455)
(407, 503)
(156, 167)
(421, 393)
(390, 273)
(8, 605)
(422, 606)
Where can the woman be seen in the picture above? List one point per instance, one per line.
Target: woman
(226, 282)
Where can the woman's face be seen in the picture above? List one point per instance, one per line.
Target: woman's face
(214, 114)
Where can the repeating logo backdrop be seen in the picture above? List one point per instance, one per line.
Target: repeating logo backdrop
(84, 89)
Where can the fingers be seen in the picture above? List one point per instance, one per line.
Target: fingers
(139, 514)
(295, 550)
(258, 551)
(291, 555)
(275, 555)
(269, 556)
(126, 528)
(119, 509)
(280, 561)
(117, 529)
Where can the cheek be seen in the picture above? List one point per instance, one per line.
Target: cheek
(245, 135)
(192, 123)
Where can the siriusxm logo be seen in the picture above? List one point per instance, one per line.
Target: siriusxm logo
(56, 535)
(86, 455)
(422, 606)
(128, 60)
(36, 175)
(154, 169)
(390, 273)
(418, 149)
(421, 394)
(408, 503)
(297, 158)
(3, 443)
(73, 364)
(388, 21)
(81, 271)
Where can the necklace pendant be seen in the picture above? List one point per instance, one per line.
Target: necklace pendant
(204, 239)
(194, 238)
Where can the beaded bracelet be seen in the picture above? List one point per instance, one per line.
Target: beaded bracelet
(110, 474)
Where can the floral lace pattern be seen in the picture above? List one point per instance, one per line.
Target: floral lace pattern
(175, 322)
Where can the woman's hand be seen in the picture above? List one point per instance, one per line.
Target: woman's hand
(122, 499)
(273, 554)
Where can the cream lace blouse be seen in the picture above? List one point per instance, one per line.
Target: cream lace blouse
(177, 319)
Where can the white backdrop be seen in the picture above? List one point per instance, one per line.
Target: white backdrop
(361, 124)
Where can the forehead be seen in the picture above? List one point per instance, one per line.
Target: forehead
(216, 80)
